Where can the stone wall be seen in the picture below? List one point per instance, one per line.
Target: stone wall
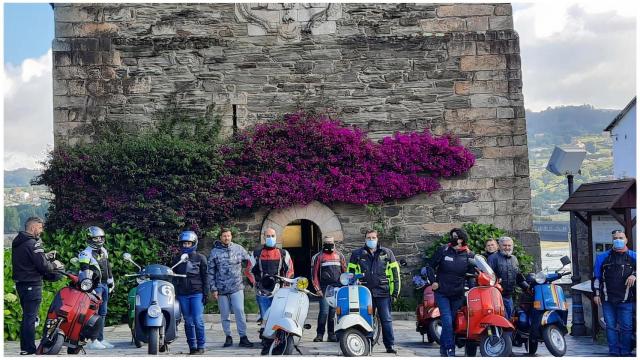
(383, 67)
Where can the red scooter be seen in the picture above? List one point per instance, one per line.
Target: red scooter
(73, 315)
(427, 313)
(481, 321)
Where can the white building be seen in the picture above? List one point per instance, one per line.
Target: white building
(623, 133)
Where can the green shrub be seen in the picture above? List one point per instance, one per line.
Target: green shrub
(478, 234)
(69, 244)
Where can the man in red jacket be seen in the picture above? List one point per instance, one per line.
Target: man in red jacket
(327, 266)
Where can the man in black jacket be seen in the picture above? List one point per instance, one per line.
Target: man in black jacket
(30, 265)
(506, 267)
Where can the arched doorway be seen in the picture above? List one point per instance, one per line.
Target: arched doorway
(299, 230)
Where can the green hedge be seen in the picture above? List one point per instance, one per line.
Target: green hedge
(69, 244)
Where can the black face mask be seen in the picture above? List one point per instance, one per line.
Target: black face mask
(328, 247)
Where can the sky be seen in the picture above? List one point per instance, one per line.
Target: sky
(573, 53)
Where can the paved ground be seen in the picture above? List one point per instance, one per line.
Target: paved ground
(408, 342)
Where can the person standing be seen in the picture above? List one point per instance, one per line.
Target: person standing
(507, 269)
(490, 247)
(447, 274)
(96, 256)
(30, 265)
(382, 277)
(226, 286)
(614, 287)
(326, 266)
(191, 291)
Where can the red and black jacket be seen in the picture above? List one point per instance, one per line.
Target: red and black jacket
(326, 269)
(272, 261)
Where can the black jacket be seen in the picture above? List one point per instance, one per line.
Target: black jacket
(449, 269)
(506, 269)
(30, 265)
(381, 270)
(196, 270)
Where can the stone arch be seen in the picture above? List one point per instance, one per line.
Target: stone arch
(317, 212)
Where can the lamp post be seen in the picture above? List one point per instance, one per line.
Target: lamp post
(566, 162)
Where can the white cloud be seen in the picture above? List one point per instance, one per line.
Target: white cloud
(28, 112)
(576, 53)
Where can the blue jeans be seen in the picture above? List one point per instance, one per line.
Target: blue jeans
(383, 309)
(235, 301)
(30, 300)
(619, 320)
(326, 317)
(508, 307)
(103, 291)
(264, 303)
(448, 307)
(192, 308)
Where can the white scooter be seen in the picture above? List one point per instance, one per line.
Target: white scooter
(285, 320)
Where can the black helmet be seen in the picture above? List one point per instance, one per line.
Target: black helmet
(95, 237)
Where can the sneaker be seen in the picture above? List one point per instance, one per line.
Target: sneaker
(318, 338)
(107, 344)
(391, 350)
(451, 352)
(95, 345)
(332, 338)
(228, 341)
(193, 351)
(244, 342)
(265, 350)
(199, 351)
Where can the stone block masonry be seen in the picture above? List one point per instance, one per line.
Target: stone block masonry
(448, 68)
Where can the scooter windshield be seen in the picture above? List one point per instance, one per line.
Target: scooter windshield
(481, 263)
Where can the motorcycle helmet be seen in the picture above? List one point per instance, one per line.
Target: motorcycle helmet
(95, 237)
(188, 236)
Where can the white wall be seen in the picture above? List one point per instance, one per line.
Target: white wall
(624, 146)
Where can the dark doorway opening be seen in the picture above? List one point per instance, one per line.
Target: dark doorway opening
(302, 239)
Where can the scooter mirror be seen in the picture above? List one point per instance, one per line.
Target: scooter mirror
(565, 260)
(184, 258)
(403, 262)
(126, 256)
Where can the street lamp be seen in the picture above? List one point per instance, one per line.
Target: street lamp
(566, 162)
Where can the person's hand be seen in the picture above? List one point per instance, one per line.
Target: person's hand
(111, 287)
(58, 265)
(435, 286)
(214, 296)
(394, 297)
(596, 299)
(630, 281)
(51, 255)
(319, 292)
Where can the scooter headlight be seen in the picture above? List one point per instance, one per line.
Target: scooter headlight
(302, 283)
(540, 277)
(345, 278)
(154, 311)
(86, 284)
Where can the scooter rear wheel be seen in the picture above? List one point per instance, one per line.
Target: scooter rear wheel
(354, 343)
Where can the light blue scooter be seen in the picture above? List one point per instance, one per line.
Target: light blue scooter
(357, 326)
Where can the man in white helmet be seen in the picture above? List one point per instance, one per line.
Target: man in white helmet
(97, 257)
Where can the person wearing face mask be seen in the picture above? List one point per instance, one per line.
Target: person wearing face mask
(191, 291)
(507, 270)
(447, 270)
(614, 287)
(270, 260)
(382, 277)
(326, 266)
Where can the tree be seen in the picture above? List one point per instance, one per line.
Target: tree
(11, 220)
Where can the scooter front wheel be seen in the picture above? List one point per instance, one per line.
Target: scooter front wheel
(495, 342)
(354, 343)
(434, 330)
(51, 346)
(282, 344)
(154, 340)
(554, 340)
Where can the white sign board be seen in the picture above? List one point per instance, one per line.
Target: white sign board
(601, 228)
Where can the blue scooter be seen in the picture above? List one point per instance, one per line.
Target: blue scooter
(157, 312)
(357, 326)
(544, 319)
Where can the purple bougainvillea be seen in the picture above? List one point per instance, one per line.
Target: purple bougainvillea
(161, 184)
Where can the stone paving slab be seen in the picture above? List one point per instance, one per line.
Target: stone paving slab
(408, 343)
